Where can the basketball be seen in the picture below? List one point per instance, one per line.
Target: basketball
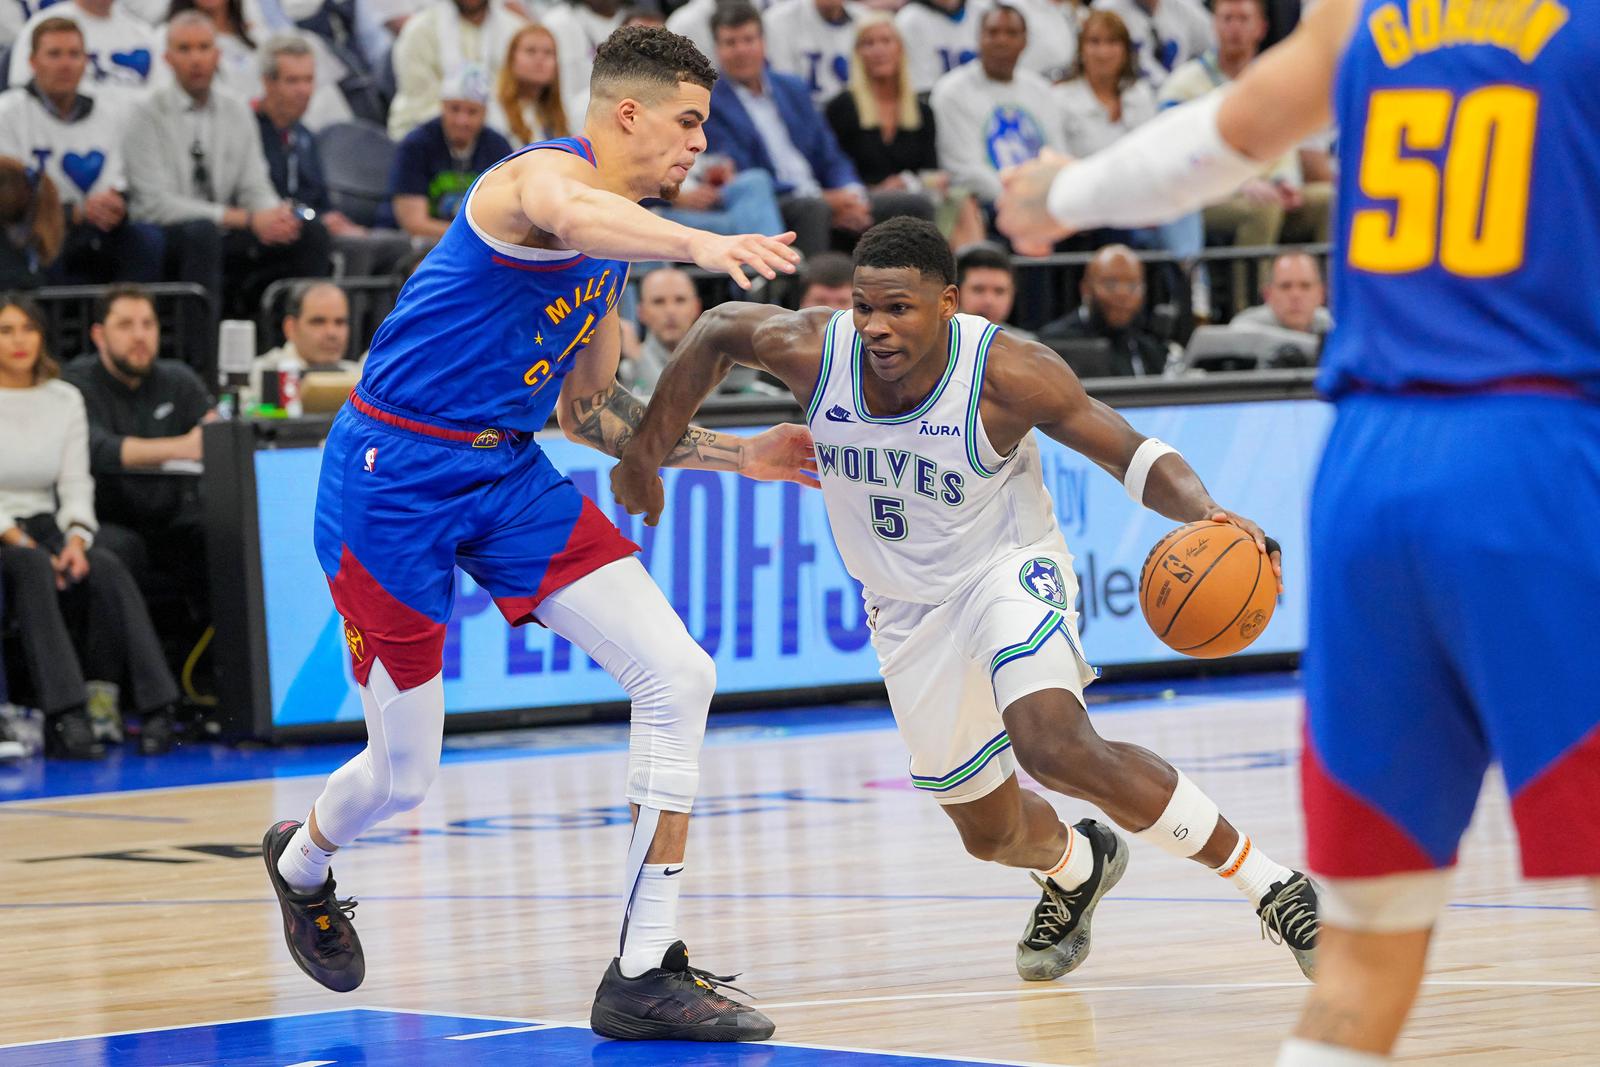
(1206, 591)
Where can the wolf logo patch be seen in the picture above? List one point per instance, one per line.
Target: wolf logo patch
(1042, 578)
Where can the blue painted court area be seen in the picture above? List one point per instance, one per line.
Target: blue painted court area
(380, 1038)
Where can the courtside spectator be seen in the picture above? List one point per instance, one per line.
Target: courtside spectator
(1294, 296)
(1166, 33)
(1257, 214)
(144, 412)
(990, 114)
(1112, 309)
(31, 225)
(122, 49)
(813, 39)
(827, 281)
(940, 36)
(51, 562)
(668, 306)
(717, 196)
(988, 286)
(436, 42)
(1106, 96)
(439, 160)
(195, 167)
(579, 27)
(316, 330)
(526, 104)
(77, 139)
(693, 20)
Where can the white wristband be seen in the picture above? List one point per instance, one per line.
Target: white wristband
(1144, 457)
(1171, 166)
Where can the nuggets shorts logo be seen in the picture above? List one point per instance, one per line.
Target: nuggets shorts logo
(357, 643)
(486, 439)
(1042, 578)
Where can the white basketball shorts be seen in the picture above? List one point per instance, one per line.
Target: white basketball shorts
(951, 668)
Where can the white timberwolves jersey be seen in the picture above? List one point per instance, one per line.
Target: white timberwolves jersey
(920, 503)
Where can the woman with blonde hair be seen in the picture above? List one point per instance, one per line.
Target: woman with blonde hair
(888, 132)
(526, 104)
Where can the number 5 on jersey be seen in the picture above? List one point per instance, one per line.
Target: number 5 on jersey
(889, 518)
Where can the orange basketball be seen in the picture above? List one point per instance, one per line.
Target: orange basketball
(1206, 591)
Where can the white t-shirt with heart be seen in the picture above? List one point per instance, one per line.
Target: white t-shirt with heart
(81, 157)
(124, 52)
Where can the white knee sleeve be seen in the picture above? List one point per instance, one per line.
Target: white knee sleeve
(1187, 822)
(405, 729)
(1390, 904)
(620, 618)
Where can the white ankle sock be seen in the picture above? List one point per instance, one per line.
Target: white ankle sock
(304, 865)
(653, 918)
(1076, 863)
(1252, 871)
(1297, 1052)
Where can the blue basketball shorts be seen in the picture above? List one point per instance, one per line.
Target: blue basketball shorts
(403, 500)
(1455, 596)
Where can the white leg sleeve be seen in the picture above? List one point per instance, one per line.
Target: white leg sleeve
(405, 729)
(620, 618)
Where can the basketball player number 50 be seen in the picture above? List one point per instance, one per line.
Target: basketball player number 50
(889, 518)
(1472, 217)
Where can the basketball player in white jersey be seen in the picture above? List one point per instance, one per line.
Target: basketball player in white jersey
(923, 422)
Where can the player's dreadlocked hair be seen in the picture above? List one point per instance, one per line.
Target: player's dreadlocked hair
(647, 61)
(908, 242)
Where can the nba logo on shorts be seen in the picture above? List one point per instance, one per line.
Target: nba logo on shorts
(372, 458)
(1042, 578)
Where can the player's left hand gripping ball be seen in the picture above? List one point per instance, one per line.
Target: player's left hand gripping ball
(1022, 212)
(784, 453)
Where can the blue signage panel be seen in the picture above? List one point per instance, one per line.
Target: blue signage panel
(752, 569)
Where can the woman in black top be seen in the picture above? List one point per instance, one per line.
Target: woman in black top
(888, 132)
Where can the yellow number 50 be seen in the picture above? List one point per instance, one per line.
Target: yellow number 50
(1473, 217)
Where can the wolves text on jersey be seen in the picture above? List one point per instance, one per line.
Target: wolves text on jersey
(891, 466)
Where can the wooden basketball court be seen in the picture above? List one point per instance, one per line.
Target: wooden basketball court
(843, 896)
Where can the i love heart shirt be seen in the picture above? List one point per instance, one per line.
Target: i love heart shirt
(81, 151)
(124, 52)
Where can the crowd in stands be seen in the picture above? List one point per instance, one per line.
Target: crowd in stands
(237, 143)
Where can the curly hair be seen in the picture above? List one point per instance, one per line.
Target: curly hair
(647, 61)
(908, 242)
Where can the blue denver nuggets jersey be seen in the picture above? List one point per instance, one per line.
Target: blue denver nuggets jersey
(485, 331)
(1468, 238)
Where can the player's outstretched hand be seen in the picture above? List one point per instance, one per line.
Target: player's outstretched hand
(784, 453)
(1263, 542)
(637, 487)
(767, 256)
(1022, 214)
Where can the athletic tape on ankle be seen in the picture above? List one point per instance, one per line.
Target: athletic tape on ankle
(1186, 824)
(1144, 457)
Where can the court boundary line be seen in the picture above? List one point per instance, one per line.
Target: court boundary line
(180, 1026)
(949, 1058)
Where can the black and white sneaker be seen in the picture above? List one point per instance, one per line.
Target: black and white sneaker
(69, 735)
(1056, 940)
(316, 926)
(1289, 917)
(673, 1002)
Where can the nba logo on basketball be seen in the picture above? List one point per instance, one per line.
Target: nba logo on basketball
(372, 458)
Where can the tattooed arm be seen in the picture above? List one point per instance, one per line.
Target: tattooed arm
(595, 410)
(607, 418)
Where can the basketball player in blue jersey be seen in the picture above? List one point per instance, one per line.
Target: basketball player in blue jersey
(923, 422)
(1460, 486)
(433, 464)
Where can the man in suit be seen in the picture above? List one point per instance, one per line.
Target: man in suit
(764, 120)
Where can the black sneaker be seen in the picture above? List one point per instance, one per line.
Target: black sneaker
(316, 926)
(673, 1002)
(69, 735)
(1056, 940)
(155, 734)
(1289, 917)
